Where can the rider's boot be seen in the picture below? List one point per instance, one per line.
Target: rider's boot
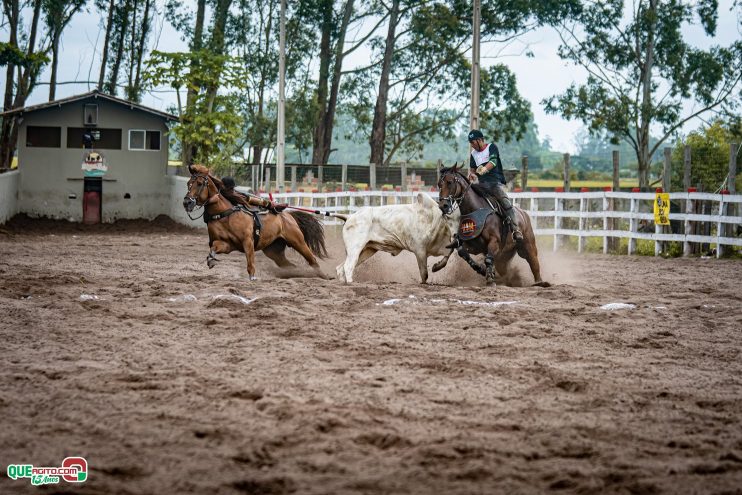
(517, 234)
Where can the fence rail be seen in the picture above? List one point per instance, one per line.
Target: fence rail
(696, 218)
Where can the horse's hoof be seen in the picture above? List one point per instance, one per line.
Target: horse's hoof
(211, 263)
(253, 278)
(491, 283)
(542, 284)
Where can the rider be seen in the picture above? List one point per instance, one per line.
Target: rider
(485, 163)
(232, 194)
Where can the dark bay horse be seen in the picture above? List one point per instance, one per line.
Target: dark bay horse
(495, 241)
(232, 228)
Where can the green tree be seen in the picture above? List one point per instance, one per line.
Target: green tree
(24, 59)
(57, 15)
(642, 71)
(709, 148)
(212, 123)
(418, 82)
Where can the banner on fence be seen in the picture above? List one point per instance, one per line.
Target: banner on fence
(662, 209)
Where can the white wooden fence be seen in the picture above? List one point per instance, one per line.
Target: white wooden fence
(581, 215)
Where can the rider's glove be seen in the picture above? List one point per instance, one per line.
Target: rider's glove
(482, 169)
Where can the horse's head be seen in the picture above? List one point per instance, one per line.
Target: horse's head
(451, 189)
(199, 186)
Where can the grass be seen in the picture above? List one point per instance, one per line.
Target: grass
(577, 184)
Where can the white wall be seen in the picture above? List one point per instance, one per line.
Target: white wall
(8, 195)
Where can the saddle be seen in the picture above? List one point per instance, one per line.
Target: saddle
(257, 224)
(471, 225)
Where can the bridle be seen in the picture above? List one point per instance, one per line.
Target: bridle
(454, 201)
(194, 199)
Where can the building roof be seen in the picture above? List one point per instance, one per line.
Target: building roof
(92, 94)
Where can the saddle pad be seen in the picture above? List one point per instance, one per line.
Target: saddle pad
(471, 225)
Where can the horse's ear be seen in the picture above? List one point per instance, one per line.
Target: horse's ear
(190, 169)
(455, 167)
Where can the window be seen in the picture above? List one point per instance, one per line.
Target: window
(91, 114)
(105, 139)
(144, 140)
(43, 137)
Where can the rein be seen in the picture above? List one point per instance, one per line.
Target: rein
(456, 202)
(198, 194)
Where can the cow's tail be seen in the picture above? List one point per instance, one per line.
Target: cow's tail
(314, 233)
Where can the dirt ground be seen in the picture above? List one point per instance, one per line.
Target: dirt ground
(119, 345)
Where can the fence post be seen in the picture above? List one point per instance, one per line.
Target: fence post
(566, 172)
(633, 224)
(661, 246)
(403, 174)
(720, 226)
(607, 222)
(524, 172)
(584, 206)
(294, 173)
(687, 247)
(687, 225)
(667, 171)
(613, 222)
(372, 176)
(438, 172)
(724, 229)
(344, 176)
(320, 177)
(267, 185)
(558, 206)
(534, 207)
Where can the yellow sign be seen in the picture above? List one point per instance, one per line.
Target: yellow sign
(662, 209)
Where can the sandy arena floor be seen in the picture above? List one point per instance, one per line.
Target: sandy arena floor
(119, 345)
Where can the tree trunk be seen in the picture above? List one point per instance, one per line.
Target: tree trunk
(645, 114)
(106, 42)
(378, 129)
(132, 51)
(113, 80)
(318, 139)
(196, 44)
(7, 146)
(329, 118)
(137, 91)
(55, 57)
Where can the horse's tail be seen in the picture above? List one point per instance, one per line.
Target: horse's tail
(314, 233)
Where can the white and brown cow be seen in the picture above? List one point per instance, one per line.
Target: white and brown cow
(418, 227)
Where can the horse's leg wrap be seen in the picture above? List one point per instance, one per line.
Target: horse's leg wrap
(489, 262)
(476, 266)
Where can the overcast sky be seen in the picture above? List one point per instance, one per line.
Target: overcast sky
(539, 77)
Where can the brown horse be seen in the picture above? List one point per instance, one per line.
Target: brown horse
(232, 227)
(494, 241)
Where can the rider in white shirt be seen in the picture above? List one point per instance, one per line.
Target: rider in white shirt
(485, 165)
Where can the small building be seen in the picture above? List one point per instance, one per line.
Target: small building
(92, 157)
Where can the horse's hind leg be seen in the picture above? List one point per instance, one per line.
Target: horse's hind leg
(531, 255)
(277, 252)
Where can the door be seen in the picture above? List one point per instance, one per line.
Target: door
(91, 200)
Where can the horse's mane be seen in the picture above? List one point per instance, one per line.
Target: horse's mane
(478, 188)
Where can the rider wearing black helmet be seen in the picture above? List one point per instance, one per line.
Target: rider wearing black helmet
(485, 164)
